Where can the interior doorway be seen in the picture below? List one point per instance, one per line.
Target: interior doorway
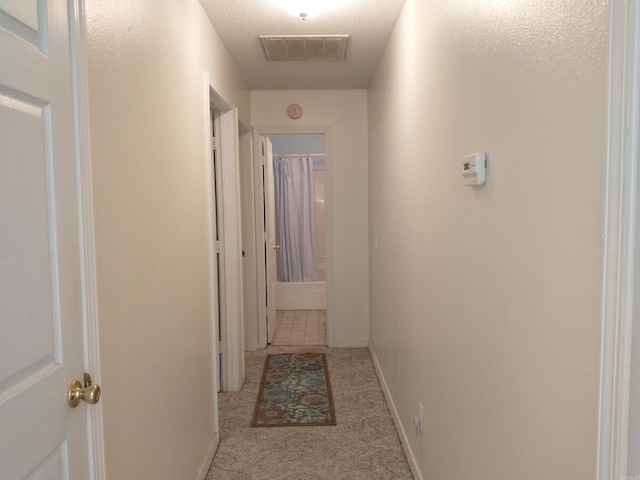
(49, 313)
(295, 222)
(225, 240)
(297, 297)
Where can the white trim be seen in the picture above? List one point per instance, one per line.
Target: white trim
(213, 278)
(352, 344)
(258, 132)
(259, 329)
(619, 239)
(232, 241)
(218, 96)
(218, 255)
(87, 239)
(206, 465)
(250, 273)
(233, 319)
(402, 434)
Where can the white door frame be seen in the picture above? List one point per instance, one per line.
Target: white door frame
(259, 206)
(271, 274)
(232, 320)
(87, 240)
(248, 239)
(621, 214)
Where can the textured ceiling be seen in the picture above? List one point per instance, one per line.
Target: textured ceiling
(368, 23)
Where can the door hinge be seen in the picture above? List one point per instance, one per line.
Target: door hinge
(214, 144)
(218, 246)
(220, 348)
(262, 150)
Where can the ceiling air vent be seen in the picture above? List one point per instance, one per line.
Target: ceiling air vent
(288, 48)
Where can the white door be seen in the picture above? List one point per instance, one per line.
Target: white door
(41, 324)
(216, 235)
(270, 236)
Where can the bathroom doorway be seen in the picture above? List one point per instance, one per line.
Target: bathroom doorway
(300, 198)
(294, 186)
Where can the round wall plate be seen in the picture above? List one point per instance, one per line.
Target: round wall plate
(294, 111)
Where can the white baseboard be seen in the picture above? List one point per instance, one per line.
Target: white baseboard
(204, 469)
(396, 419)
(352, 344)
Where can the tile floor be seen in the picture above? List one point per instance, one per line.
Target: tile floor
(300, 327)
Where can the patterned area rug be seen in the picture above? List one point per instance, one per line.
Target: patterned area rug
(363, 445)
(294, 391)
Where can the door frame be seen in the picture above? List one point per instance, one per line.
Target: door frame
(621, 220)
(232, 321)
(258, 132)
(270, 265)
(87, 238)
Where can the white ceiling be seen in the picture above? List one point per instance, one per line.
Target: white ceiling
(368, 22)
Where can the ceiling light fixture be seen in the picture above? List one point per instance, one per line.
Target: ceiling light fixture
(309, 8)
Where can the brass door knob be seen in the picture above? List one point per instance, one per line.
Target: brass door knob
(275, 247)
(90, 394)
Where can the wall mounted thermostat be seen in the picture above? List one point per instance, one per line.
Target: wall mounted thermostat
(474, 169)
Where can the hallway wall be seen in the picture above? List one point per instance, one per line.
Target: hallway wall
(345, 111)
(485, 302)
(148, 131)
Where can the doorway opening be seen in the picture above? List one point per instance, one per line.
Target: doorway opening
(293, 209)
(225, 239)
(297, 209)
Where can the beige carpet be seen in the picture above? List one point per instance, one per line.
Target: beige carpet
(363, 445)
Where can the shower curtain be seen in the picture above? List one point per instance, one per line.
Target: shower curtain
(293, 178)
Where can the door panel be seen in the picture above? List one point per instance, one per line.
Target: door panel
(52, 468)
(270, 235)
(216, 222)
(23, 18)
(24, 190)
(41, 343)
